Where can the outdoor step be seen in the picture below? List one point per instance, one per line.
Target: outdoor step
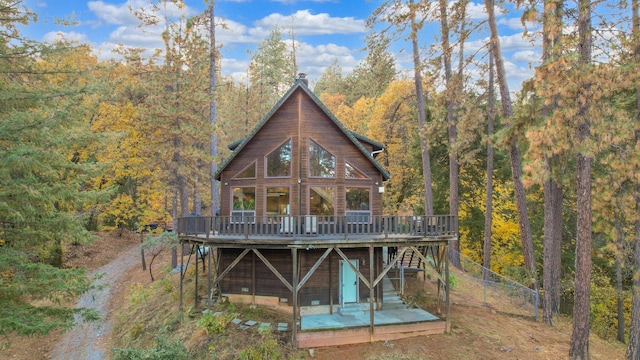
(353, 308)
(401, 306)
(390, 298)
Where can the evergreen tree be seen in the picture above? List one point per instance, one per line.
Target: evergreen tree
(45, 103)
(331, 80)
(271, 73)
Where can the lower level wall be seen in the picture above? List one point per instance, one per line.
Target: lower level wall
(252, 277)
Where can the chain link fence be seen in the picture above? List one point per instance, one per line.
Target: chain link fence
(474, 284)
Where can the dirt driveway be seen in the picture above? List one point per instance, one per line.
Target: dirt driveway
(88, 340)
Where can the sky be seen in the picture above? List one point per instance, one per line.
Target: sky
(325, 31)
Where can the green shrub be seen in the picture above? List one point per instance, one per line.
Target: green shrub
(213, 323)
(163, 349)
(267, 348)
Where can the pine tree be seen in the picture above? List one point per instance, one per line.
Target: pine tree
(45, 104)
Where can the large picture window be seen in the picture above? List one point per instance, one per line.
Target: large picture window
(322, 201)
(358, 199)
(279, 161)
(358, 205)
(321, 162)
(244, 205)
(278, 201)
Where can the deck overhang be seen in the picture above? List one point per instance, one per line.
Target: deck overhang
(432, 243)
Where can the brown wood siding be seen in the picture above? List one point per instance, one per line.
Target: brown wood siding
(317, 288)
(299, 118)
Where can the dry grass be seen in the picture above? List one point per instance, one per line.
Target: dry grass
(141, 309)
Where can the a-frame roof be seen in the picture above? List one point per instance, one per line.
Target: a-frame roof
(356, 139)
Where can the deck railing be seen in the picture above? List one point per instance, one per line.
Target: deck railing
(248, 226)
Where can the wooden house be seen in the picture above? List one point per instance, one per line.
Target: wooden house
(301, 163)
(301, 224)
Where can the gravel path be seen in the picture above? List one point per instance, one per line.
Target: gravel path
(84, 340)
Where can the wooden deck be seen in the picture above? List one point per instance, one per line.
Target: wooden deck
(422, 235)
(358, 335)
(317, 230)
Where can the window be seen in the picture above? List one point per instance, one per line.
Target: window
(244, 205)
(244, 198)
(247, 173)
(358, 207)
(321, 162)
(353, 173)
(357, 199)
(278, 201)
(279, 161)
(321, 201)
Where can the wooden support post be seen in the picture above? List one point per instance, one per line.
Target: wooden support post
(294, 327)
(196, 283)
(253, 278)
(330, 287)
(209, 255)
(181, 271)
(371, 294)
(448, 288)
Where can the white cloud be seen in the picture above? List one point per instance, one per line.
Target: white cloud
(526, 56)
(306, 23)
(314, 59)
(72, 36)
(111, 13)
(477, 11)
(508, 43)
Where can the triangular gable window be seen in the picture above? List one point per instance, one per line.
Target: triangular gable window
(352, 173)
(321, 162)
(247, 173)
(279, 161)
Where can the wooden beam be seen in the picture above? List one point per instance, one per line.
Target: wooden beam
(389, 265)
(182, 271)
(195, 288)
(371, 295)
(314, 268)
(424, 259)
(447, 295)
(209, 256)
(231, 266)
(274, 270)
(346, 260)
(294, 326)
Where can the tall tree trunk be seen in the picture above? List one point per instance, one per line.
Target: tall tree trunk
(552, 252)
(454, 254)
(619, 265)
(633, 348)
(581, 310)
(514, 152)
(215, 199)
(197, 199)
(183, 191)
(488, 215)
(424, 143)
(553, 193)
